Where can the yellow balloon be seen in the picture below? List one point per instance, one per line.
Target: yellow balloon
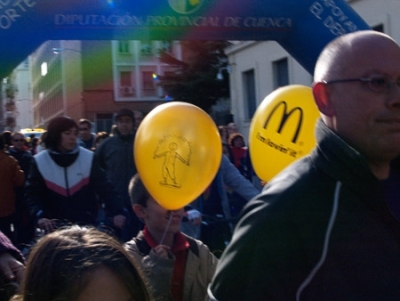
(282, 130)
(177, 152)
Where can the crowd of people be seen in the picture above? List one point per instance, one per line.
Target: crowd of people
(81, 178)
(325, 228)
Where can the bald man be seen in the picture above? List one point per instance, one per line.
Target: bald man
(323, 229)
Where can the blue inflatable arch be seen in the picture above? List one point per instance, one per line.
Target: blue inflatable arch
(302, 27)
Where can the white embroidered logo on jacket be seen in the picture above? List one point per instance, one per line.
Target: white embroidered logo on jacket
(65, 182)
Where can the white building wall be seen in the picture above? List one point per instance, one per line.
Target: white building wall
(260, 57)
(23, 99)
(247, 55)
(386, 12)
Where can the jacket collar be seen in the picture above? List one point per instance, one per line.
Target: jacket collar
(339, 160)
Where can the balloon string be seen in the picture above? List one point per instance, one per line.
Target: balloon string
(166, 228)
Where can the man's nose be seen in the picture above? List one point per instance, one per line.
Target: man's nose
(393, 99)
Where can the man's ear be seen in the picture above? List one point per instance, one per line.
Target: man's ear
(139, 211)
(322, 99)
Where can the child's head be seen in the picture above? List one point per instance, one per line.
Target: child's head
(138, 193)
(236, 140)
(148, 210)
(72, 263)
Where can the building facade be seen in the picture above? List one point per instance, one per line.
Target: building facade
(94, 79)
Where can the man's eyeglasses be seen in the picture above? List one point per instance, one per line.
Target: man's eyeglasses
(376, 83)
(83, 129)
(18, 140)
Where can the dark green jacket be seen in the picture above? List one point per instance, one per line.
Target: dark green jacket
(319, 231)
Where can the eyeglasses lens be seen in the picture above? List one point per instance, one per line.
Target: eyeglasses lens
(380, 84)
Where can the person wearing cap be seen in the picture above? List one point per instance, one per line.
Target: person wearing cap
(115, 155)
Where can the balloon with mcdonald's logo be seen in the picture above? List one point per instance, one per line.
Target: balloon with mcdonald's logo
(282, 130)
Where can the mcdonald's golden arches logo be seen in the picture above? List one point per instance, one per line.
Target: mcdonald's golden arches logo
(285, 116)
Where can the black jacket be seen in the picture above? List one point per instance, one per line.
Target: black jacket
(319, 231)
(115, 156)
(24, 158)
(67, 203)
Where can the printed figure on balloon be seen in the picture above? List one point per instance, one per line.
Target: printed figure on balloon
(195, 134)
(172, 148)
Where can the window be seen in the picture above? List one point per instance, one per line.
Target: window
(146, 48)
(125, 78)
(148, 85)
(125, 82)
(43, 68)
(104, 122)
(124, 47)
(249, 93)
(379, 28)
(281, 73)
(166, 46)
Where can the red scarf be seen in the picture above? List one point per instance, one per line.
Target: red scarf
(179, 249)
(238, 154)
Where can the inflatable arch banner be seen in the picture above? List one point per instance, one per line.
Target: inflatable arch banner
(302, 27)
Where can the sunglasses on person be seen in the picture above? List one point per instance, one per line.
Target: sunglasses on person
(18, 140)
(379, 83)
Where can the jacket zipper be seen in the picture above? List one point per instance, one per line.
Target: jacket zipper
(66, 181)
